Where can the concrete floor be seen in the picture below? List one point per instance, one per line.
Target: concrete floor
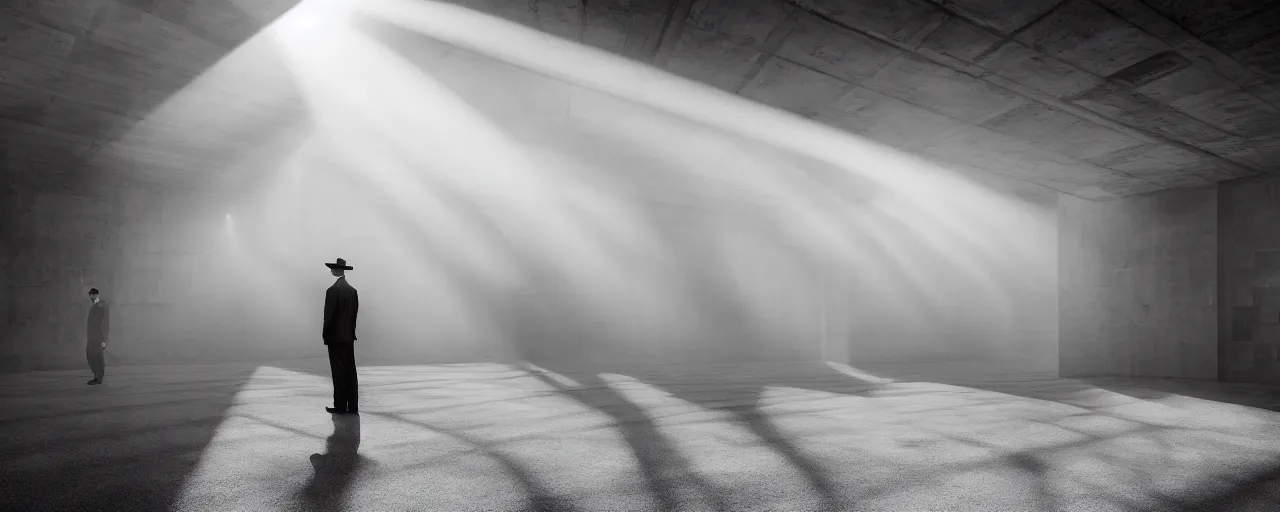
(778, 436)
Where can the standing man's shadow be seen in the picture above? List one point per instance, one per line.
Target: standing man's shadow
(336, 468)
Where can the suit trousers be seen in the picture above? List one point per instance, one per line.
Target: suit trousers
(93, 352)
(342, 363)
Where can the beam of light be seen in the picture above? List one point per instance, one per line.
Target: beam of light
(428, 119)
(497, 187)
(240, 437)
(411, 113)
(595, 68)
(498, 174)
(368, 138)
(563, 380)
(931, 190)
(856, 373)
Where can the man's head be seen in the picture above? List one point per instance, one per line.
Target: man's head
(93, 295)
(338, 268)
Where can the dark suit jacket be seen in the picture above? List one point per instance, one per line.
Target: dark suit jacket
(99, 322)
(340, 307)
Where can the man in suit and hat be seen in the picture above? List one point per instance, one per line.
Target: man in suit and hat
(97, 326)
(340, 307)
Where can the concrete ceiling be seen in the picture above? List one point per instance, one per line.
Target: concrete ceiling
(1095, 98)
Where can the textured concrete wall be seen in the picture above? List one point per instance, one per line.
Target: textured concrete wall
(140, 247)
(1138, 285)
(61, 241)
(1249, 255)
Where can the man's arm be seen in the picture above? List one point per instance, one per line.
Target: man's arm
(329, 305)
(355, 310)
(106, 323)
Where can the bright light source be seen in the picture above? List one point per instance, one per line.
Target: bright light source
(309, 16)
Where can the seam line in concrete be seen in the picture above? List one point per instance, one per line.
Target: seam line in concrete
(772, 43)
(672, 30)
(1017, 32)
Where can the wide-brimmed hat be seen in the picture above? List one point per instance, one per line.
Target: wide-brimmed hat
(341, 263)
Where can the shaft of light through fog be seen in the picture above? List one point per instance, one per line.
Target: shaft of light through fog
(503, 194)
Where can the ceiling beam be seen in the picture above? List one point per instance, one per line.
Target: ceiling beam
(671, 32)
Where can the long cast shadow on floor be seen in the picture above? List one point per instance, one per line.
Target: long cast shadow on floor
(722, 388)
(336, 468)
(667, 473)
(541, 499)
(43, 444)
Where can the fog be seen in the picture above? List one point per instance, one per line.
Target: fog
(553, 208)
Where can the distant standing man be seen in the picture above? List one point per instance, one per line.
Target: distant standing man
(340, 307)
(97, 327)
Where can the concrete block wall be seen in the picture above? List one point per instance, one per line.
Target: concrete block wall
(1138, 285)
(126, 239)
(1249, 256)
(61, 241)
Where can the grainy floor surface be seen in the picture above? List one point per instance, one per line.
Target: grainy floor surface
(767, 436)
